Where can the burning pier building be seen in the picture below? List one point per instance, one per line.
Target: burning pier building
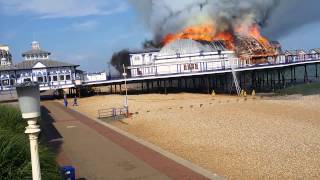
(201, 51)
(199, 48)
(216, 39)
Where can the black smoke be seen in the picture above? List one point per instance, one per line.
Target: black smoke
(277, 18)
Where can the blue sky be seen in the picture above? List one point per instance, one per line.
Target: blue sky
(87, 32)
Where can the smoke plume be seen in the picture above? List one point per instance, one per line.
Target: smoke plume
(275, 17)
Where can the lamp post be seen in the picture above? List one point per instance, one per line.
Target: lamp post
(29, 102)
(125, 86)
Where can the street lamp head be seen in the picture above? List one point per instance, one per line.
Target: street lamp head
(124, 74)
(29, 99)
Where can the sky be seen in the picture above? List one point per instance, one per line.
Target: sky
(88, 32)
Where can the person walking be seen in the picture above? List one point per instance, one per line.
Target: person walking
(65, 100)
(75, 101)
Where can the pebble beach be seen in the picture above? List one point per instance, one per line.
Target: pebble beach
(238, 138)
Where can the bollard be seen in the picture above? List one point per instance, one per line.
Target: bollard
(253, 93)
(213, 93)
(68, 173)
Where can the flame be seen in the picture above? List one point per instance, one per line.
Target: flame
(205, 32)
(254, 31)
(208, 32)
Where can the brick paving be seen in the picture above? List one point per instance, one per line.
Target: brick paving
(99, 152)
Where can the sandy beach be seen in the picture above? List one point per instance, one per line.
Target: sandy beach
(238, 138)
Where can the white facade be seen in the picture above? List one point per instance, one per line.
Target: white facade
(48, 78)
(4, 47)
(92, 77)
(186, 63)
(188, 56)
(5, 56)
(182, 56)
(48, 73)
(36, 53)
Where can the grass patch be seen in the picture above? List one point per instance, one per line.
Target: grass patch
(15, 162)
(304, 89)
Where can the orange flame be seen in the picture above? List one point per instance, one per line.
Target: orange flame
(207, 32)
(254, 32)
(204, 32)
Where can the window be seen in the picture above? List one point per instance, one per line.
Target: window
(12, 81)
(27, 80)
(185, 67)
(55, 78)
(136, 58)
(5, 82)
(49, 78)
(139, 72)
(190, 66)
(68, 77)
(40, 79)
(61, 77)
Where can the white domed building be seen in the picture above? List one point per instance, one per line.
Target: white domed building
(37, 66)
(181, 56)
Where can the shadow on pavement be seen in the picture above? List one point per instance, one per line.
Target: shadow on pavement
(50, 135)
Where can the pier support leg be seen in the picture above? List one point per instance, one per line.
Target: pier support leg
(316, 70)
(244, 80)
(185, 83)
(283, 79)
(253, 82)
(227, 84)
(294, 74)
(193, 83)
(291, 75)
(268, 78)
(208, 84)
(279, 79)
(306, 78)
(273, 81)
(165, 87)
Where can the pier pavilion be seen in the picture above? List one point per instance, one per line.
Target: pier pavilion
(37, 66)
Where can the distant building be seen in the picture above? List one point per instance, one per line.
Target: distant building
(38, 67)
(5, 55)
(36, 53)
(299, 52)
(315, 51)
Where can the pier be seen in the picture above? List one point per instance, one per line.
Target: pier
(261, 78)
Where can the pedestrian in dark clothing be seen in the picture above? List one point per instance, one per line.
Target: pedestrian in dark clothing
(65, 101)
(75, 101)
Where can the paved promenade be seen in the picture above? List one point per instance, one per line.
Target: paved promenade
(99, 152)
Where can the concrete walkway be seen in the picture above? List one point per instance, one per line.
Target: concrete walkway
(98, 152)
